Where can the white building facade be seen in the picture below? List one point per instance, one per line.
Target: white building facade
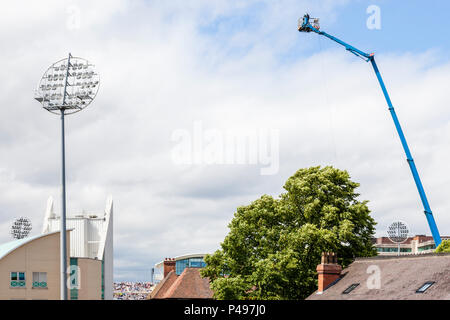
(91, 237)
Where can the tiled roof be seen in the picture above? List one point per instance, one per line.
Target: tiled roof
(162, 287)
(400, 277)
(188, 285)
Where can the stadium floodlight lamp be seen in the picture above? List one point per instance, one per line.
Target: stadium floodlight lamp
(21, 228)
(59, 93)
(398, 233)
(61, 78)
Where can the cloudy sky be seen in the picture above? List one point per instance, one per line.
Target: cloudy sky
(179, 76)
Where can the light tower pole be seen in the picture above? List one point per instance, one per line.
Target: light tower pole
(68, 86)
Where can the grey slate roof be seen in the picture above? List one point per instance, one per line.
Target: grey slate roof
(400, 277)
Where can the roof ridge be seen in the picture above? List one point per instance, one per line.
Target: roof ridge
(176, 284)
(190, 284)
(404, 256)
(161, 285)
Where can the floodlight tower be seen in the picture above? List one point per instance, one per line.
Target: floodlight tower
(398, 233)
(68, 86)
(308, 24)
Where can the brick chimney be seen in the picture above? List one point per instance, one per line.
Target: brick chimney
(329, 270)
(169, 265)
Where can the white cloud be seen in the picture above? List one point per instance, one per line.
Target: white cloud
(161, 70)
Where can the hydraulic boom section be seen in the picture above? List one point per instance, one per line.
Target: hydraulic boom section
(308, 24)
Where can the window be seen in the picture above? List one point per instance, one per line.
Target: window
(17, 279)
(350, 289)
(180, 265)
(39, 279)
(393, 249)
(429, 247)
(425, 287)
(196, 263)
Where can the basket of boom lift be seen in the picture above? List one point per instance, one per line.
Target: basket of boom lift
(306, 23)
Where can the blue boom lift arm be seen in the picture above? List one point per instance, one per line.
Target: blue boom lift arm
(308, 24)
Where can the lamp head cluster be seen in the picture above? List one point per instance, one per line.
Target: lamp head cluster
(398, 232)
(68, 86)
(21, 228)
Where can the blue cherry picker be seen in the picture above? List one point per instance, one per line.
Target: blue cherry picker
(308, 24)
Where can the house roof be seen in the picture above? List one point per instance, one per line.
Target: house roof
(400, 277)
(162, 287)
(188, 285)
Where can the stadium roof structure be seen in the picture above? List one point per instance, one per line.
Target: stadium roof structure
(8, 247)
(182, 257)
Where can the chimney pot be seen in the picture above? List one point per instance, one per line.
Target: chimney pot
(169, 265)
(328, 271)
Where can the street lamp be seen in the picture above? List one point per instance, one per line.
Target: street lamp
(68, 86)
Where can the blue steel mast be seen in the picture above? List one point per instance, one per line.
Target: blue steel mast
(305, 25)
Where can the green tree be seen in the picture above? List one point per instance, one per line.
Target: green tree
(274, 245)
(444, 246)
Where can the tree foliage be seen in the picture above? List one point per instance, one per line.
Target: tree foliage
(274, 245)
(444, 246)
